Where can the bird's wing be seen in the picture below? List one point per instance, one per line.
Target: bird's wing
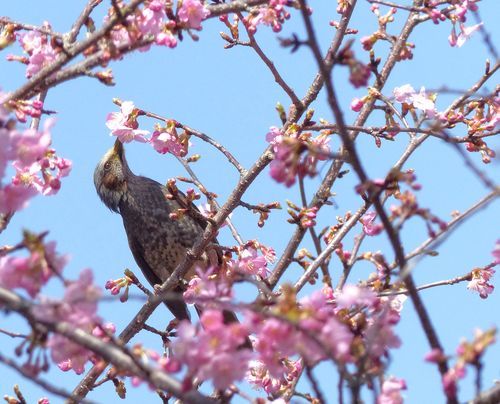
(176, 305)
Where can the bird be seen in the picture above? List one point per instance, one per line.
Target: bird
(158, 241)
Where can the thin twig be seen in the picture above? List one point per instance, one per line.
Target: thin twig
(47, 386)
(458, 279)
(269, 63)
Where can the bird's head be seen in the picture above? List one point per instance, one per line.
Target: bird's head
(111, 176)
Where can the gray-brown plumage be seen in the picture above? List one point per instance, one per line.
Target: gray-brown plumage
(158, 243)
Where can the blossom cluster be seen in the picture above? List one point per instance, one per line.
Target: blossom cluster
(411, 99)
(165, 139)
(251, 259)
(296, 153)
(78, 307)
(457, 15)
(213, 350)
(408, 206)
(480, 116)
(38, 170)
(348, 326)
(31, 273)
(467, 353)
(155, 22)
(272, 14)
(39, 49)
(456, 12)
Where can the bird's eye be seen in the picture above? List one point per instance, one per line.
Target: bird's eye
(107, 165)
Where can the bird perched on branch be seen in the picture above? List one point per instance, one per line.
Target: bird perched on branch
(157, 241)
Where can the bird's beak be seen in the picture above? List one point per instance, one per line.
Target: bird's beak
(118, 148)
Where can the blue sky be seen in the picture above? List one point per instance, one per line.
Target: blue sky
(230, 95)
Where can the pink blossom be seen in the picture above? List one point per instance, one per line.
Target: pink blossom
(352, 295)
(151, 20)
(403, 93)
(124, 124)
(357, 104)
(68, 354)
(259, 376)
(39, 50)
(368, 42)
(275, 339)
(250, 263)
(166, 38)
(207, 210)
(421, 100)
(480, 281)
(282, 172)
(32, 272)
(31, 145)
(214, 350)
(192, 13)
(120, 35)
(332, 336)
(391, 391)
(435, 356)
(167, 142)
(466, 33)
(369, 228)
(380, 335)
(450, 379)
(461, 9)
(274, 136)
(14, 198)
(78, 308)
(273, 14)
(207, 287)
(337, 338)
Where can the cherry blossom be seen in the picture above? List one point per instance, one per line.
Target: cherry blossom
(250, 262)
(30, 146)
(357, 104)
(167, 141)
(32, 272)
(369, 228)
(272, 14)
(421, 100)
(463, 36)
(296, 154)
(208, 287)
(124, 124)
(480, 281)
(450, 380)
(352, 295)
(78, 308)
(192, 13)
(40, 52)
(391, 391)
(213, 352)
(258, 375)
(14, 198)
(151, 20)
